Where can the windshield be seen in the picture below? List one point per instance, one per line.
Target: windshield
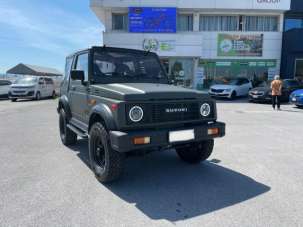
(291, 83)
(226, 81)
(26, 81)
(264, 84)
(127, 67)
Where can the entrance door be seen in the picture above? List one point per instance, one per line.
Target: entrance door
(299, 69)
(181, 71)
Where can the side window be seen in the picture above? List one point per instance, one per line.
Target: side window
(245, 81)
(82, 64)
(5, 83)
(239, 82)
(48, 81)
(68, 66)
(41, 81)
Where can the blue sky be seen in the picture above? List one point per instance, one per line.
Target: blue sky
(43, 32)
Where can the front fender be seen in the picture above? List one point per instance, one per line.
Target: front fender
(63, 103)
(103, 111)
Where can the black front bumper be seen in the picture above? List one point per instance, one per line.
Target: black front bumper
(123, 141)
(263, 98)
(30, 94)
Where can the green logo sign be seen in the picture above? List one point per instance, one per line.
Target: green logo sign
(240, 45)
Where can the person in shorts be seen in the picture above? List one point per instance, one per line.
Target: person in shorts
(276, 87)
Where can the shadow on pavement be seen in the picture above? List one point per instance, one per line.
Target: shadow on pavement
(163, 187)
(237, 100)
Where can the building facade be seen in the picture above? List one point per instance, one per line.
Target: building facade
(200, 41)
(292, 51)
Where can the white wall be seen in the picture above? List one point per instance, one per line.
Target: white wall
(195, 44)
(199, 4)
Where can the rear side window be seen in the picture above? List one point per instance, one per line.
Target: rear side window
(5, 83)
(41, 81)
(49, 81)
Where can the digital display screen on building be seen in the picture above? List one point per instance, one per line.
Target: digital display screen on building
(152, 20)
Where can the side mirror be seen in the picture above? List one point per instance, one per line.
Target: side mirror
(77, 75)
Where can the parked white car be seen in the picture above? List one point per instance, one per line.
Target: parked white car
(32, 88)
(231, 88)
(4, 88)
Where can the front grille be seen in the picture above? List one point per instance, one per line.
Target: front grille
(18, 92)
(259, 93)
(217, 90)
(168, 112)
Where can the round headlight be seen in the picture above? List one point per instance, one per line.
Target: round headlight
(136, 114)
(205, 110)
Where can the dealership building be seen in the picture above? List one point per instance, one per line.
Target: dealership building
(292, 51)
(200, 41)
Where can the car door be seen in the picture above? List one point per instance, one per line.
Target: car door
(4, 87)
(246, 84)
(42, 87)
(46, 86)
(49, 85)
(241, 88)
(78, 93)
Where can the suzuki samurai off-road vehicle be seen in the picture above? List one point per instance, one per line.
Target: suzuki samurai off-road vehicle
(122, 101)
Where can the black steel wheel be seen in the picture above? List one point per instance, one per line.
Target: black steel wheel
(38, 96)
(106, 163)
(233, 95)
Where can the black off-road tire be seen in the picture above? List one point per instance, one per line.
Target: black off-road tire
(233, 95)
(196, 152)
(68, 137)
(106, 163)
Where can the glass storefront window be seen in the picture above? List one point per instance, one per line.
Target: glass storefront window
(257, 71)
(185, 22)
(219, 23)
(261, 23)
(299, 69)
(120, 22)
(181, 71)
(292, 23)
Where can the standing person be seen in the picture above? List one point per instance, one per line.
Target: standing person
(276, 87)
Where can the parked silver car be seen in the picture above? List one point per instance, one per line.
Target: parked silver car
(4, 88)
(32, 88)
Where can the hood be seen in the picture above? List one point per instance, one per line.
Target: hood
(264, 89)
(223, 86)
(298, 92)
(143, 91)
(22, 85)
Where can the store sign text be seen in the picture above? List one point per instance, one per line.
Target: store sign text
(159, 45)
(269, 1)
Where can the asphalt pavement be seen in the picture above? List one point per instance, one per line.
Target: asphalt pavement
(253, 178)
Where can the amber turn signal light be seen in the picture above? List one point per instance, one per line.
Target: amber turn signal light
(141, 140)
(213, 131)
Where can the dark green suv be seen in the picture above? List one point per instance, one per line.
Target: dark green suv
(122, 101)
